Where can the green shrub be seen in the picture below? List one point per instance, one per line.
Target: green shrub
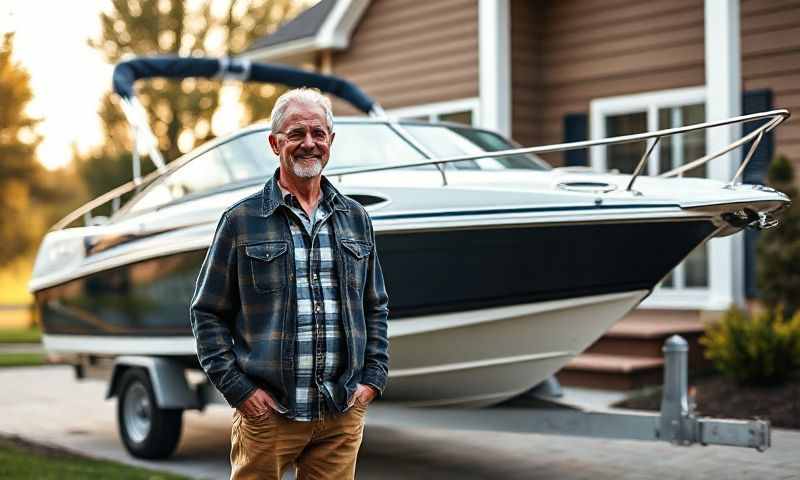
(778, 250)
(762, 349)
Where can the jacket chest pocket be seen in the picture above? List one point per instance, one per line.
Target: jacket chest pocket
(356, 259)
(269, 265)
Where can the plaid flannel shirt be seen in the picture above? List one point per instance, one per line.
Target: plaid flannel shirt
(319, 332)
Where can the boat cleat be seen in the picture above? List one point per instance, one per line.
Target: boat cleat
(747, 218)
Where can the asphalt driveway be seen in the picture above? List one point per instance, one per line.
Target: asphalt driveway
(47, 405)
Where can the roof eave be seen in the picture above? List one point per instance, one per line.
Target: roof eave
(282, 51)
(334, 34)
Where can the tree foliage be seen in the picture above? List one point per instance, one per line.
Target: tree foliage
(180, 113)
(779, 248)
(25, 189)
(764, 348)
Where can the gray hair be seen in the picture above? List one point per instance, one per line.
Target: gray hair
(301, 95)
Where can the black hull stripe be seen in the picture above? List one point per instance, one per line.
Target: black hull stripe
(425, 272)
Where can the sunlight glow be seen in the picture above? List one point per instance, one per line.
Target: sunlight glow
(226, 118)
(68, 77)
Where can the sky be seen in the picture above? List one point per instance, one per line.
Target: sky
(68, 77)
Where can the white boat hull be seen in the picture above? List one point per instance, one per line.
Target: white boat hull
(483, 357)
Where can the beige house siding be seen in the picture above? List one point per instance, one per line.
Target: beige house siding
(407, 53)
(526, 33)
(771, 59)
(599, 48)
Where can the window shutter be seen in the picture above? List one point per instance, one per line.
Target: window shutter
(576, 129)
(756, 172)
(753, 102)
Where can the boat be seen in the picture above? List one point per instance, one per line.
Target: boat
(500, 269)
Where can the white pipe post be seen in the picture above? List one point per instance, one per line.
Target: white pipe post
(723, 100)
(494, 51)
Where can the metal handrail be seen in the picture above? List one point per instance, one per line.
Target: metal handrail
(776, 117)
(110, 196)
(774, 122)
(642, 163)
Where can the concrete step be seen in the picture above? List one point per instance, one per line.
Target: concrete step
(638, 338)
(629, 355)
(613, 372)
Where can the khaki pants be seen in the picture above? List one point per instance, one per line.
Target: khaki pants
(265, 447)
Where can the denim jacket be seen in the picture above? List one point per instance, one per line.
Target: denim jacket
(243, 311)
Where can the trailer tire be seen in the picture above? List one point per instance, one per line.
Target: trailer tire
(147, 431)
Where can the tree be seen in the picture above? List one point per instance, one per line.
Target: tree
(23, 183)
(244, 23)
(180, 113)
(779, 248)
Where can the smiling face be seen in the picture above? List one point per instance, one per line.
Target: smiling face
(303, 140)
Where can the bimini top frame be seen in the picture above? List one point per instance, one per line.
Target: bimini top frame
(126, 73)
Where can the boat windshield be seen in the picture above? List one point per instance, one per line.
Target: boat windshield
(247, 158)
(445, 141)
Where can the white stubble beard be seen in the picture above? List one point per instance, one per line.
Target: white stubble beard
(310, 171)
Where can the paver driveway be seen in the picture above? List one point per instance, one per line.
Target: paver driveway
(47, 405)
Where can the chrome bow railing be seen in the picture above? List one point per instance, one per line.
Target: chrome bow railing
(773, 119)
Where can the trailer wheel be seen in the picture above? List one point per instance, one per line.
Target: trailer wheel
(146, 430)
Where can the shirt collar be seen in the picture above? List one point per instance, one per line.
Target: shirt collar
(274, 195)
(327, 193)
(288, 197)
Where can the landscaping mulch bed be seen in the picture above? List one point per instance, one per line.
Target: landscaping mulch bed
(718, 396)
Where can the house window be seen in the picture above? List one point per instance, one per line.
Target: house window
(673, 151)
(639, 113)
(464, 111)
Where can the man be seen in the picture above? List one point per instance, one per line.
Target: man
(290, 310)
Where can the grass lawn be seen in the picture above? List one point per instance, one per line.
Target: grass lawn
(21, 359)
(20, 335)
(22, 460)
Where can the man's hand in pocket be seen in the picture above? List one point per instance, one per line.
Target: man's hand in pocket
(257, 404)
(364, 394)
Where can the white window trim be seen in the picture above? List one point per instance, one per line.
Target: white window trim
(434, 110)
(648, 101)
(685, 299)
(651, 102)
(494, 69)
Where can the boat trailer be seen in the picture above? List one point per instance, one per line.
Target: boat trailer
(539, 412)
(173, 388)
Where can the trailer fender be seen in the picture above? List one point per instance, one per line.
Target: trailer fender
(167, 377)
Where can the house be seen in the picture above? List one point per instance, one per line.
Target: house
(550, 71)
